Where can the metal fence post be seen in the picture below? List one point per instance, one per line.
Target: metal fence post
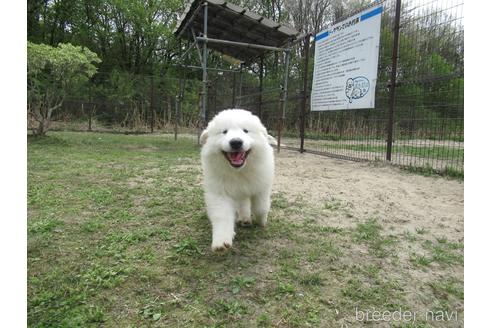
(394, 64)
(284, 97)
(90, 120)
(260, 97)
(176, 111)
(152, 116)
(307, 43)
(203, 113)
(234, 89)
(179, 100)
(240, 85)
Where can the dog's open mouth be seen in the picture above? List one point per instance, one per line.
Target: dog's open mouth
(236, 159)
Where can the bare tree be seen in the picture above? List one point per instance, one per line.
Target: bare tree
(310, 15)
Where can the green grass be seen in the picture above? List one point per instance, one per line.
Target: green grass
(428, 170)
(369, 233)
(437, 152)
(118, 237)
(444, 288)
(453, 135)
(336, 205)
(420, 260)
(441, 252)
(446, 253)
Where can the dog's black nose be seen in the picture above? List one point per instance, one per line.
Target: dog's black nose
(236, 143)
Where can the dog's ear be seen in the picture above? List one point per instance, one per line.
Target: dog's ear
(203, 137)
(271, 140)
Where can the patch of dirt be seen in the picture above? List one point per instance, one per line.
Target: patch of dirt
(402, 201)
(413, 208)
(140, 181)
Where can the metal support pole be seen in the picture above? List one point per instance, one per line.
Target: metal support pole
(286, 80)
(83, 112)
(90, 119)
(307, 43)
(152, 116)
(203, 112)
(208, 68)
(284, 97)
(240, 84)
(183, 56)
(234, 90)
(176, 111)
(196, 41)
(394, 63)
(239, 44)
(260, 96)
(179, 101)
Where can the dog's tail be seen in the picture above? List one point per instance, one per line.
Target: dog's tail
(271, 140)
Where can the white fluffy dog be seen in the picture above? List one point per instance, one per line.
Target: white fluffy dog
(238, 168)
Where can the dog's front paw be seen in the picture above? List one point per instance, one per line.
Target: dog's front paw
(262, 219)
(221, 246)
(222, 243)
(244, 222)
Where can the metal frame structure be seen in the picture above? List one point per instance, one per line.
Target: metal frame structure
(418, 119)
(225, 46)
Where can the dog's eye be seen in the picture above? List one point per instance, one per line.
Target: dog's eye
(245, 131)
(224, 132)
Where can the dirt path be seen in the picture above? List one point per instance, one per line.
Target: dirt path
(403, 201)
(424, 215)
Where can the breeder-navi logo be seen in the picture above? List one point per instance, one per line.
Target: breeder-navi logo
(401, 315)
(356, 88)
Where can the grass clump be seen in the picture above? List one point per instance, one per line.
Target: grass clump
(188, 247)
(369, 233)
(241, 283)
(44, 225)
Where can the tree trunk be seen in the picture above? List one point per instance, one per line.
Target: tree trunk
(91, 113)
(45, 120)
(42, 128)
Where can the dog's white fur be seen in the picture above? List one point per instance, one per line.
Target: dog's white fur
(233, 194)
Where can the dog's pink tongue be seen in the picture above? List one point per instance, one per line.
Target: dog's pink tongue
(237, 158)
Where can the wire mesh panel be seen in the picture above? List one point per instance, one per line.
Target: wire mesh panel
(428, 112)
(427, 130)
(428, 126)
(430, 116)
(133, 103)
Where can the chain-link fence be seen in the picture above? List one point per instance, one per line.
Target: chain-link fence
(427, 127)
(428, 119)
(120, 102)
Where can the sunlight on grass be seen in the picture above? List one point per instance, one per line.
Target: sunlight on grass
(118, 237)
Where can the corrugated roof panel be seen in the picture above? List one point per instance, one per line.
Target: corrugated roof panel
(287, 30)
(228, 21)
(268, 22)
(252, 15)
(235, 8)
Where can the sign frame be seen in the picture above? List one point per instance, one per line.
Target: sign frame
(346, 63)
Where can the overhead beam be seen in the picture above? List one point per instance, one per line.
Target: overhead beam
(241, 44)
